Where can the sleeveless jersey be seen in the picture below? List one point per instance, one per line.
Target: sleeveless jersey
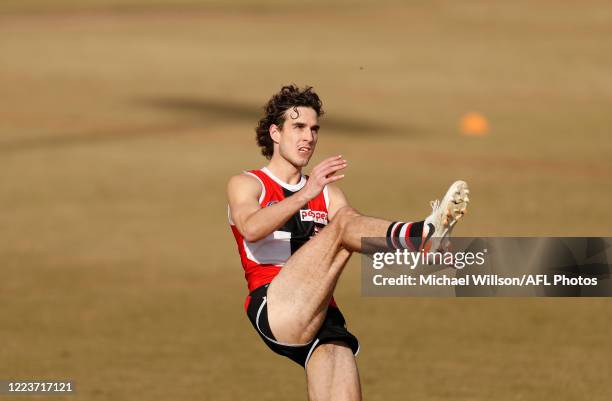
(263, 259)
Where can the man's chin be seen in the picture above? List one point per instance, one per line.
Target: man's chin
(304, 162)
(301, 161)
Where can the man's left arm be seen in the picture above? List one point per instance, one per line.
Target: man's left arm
(337, 200)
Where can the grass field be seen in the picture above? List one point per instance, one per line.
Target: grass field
(120, 123)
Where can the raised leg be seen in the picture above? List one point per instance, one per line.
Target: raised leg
(332, 374)
(299, 295)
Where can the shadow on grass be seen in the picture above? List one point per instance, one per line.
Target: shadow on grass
(218, 111)
(188, 113)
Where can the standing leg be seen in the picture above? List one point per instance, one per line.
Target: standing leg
(332, 374)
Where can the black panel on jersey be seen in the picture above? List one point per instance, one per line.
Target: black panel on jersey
(301, 231)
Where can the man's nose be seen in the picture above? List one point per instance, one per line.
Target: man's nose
(308, 135)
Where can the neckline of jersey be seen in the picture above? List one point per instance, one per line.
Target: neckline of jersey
(290, 187)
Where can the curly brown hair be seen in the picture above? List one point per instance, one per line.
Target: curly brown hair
(289, 97)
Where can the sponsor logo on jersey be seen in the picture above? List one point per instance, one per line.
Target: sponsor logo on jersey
(271, 203)
(313, 215)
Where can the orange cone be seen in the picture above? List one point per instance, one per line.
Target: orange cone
(474, 124)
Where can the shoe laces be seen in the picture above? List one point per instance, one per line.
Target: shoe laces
(435, 204)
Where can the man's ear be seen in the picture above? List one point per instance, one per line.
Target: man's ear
(274, 133)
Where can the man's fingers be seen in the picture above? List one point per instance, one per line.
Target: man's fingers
(334, 178)
(335, 165)
(332, 169)
(337, 157)
(328, 162)
(327, 166)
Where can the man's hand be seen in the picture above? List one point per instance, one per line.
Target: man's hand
(323, 174)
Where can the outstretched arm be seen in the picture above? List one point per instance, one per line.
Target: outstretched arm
(255, 222)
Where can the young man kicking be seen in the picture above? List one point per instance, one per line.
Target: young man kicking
(295, 234)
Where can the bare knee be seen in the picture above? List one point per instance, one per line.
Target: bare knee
(332, 350)
(332, 374)
(343, 216)
(331, 355)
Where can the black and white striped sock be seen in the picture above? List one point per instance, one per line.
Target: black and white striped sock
(411, 236)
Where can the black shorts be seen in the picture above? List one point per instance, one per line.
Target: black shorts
(332, 329)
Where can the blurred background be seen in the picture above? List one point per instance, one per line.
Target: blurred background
(121, 122)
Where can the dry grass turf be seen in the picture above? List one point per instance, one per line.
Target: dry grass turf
(120, 123)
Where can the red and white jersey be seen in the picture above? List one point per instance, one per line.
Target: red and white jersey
(263, 259)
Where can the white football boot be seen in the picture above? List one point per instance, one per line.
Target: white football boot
(445, 214)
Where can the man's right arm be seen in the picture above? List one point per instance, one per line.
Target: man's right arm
(253, 221)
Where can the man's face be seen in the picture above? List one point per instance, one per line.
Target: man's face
(298, 137)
